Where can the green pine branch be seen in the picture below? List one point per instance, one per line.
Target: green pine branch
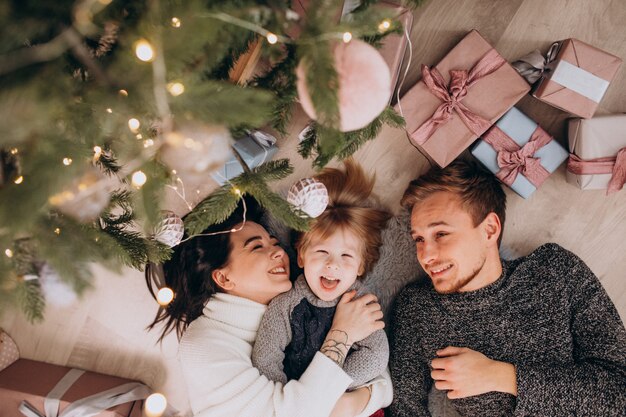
(31, 300)
(347, 143)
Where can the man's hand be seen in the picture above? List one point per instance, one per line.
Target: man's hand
(463, 372)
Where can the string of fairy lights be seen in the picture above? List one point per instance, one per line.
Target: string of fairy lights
(145, 51)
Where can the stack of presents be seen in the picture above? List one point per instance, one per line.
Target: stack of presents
(470, 95)
(466, 101)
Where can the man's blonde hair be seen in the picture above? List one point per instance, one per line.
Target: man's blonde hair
(348, 209)
(479, 191)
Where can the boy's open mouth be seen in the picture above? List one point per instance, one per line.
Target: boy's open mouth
(329, 283)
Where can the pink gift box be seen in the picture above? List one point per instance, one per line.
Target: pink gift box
(32, 381)
(577, 78)
(487, 94)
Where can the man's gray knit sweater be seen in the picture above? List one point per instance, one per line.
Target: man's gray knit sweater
(293, 330)
(547, 314)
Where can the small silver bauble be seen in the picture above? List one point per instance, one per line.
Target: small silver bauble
(309, 195)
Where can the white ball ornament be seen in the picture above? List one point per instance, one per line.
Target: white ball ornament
(309, 195)
(364, 84)
(57, 292)
(195, 149)
(86, 196)
(170, 229)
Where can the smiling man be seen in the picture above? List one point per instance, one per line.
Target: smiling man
(537, 336)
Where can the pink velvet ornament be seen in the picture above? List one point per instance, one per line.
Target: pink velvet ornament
(364, 84)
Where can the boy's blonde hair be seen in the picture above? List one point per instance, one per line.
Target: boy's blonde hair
(348, 192)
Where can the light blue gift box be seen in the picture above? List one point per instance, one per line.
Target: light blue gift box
(251, 151)
(520, 128)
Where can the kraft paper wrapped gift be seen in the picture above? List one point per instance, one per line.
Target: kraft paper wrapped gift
(460, 98)
(598, 147)
(576, 78)
(394, 46)
(255, 149)
(36, 383)
(519, 152)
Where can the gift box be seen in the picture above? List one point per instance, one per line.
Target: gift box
(255, 149)
(577, 77)
(598, 147)
(519, 152)
(29, 387)
(394, 46)
(460, 98)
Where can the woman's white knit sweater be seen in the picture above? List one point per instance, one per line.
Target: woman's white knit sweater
(215, 354)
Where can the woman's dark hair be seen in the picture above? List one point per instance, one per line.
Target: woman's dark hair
(188, 271)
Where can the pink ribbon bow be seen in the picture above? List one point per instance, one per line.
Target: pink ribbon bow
(453, 94)
(513, 159)
(611, 165)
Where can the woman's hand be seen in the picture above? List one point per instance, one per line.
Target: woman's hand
(351, 403)
(358, 317)
(354, 320)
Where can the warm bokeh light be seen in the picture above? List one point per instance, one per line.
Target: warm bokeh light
(155, 405)
(139, 179)
(165, 296)
(272, 38)
(144, 50)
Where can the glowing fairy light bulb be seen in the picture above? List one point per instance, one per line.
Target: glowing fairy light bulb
(347, 37)
(97, 152)
(165, 296)
(8, 253)
(57, 231)
(147, 143)
(384, 25)
(272, 38)
(19, 180)
(175, 89)
(133, 125)
(14, 151)
(144, 50)
(109, 110)
(138, 179)
(155, 405)
(123, 93)
(176, 22)
(67, 161)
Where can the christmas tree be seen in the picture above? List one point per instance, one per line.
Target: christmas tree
(105, 103)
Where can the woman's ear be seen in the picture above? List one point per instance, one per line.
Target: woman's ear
(222, 281)
(300, 260)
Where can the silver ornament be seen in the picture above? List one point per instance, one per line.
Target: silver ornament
(309, 195)
(170, 229)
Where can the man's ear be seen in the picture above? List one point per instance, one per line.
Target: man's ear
(492, 227)
(222, 281)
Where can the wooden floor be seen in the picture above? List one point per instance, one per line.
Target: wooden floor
(105, 332)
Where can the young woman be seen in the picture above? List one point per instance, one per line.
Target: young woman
(223, 284)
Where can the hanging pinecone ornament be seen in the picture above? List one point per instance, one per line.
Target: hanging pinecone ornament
(309, 195)
(170, 229)
(196, 149)
(364, 84)
(86, 196)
